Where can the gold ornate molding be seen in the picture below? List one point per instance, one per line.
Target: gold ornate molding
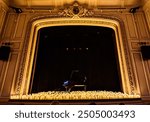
(75, 11)
(69, 16)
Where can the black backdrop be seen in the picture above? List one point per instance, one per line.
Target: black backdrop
(90, 49)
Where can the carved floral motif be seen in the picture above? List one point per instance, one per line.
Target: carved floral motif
(75, 10)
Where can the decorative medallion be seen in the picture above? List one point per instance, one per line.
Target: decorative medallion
(75, 11)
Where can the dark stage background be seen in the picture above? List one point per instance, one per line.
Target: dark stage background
(89, 49)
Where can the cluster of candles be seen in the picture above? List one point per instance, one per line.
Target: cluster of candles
(74, 95)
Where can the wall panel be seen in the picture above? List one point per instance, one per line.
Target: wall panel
(131, 27)
(147, 67)
(20, 27)
(140, 70)
(1, 74)
(148, 71)
(147, 14)
(2, 18)
(9, 74)
(9, 27)
(142, 26)
(135, 45)
(146, 9)
(16, 45)
(3, 14)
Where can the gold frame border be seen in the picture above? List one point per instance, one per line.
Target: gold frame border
(23, 82)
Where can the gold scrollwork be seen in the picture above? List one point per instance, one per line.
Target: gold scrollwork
(75, 10)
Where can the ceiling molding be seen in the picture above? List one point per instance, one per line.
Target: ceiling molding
(94, 3)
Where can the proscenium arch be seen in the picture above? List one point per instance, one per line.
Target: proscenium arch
(47, 22)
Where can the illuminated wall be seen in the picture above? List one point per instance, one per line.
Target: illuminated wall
(15, 30)
(3, 12)
(146, 9)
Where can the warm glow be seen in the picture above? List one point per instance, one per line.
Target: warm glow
(74, 95)
(102, 3)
